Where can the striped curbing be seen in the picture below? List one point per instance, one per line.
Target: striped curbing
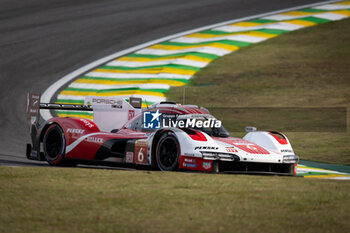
(150, 72)
(313, 172)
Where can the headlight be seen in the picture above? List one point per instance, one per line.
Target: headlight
(220, 156)
(290, 159)
(209, 155)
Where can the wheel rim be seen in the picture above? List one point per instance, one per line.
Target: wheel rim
(53, 144)
(168, 153)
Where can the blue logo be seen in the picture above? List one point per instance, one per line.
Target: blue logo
(190, 165)
(151, 120)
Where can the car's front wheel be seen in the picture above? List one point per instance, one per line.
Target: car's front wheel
(168, 152)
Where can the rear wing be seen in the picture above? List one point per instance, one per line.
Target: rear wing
(109, 112)
(34, 106)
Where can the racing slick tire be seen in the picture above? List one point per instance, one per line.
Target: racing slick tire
(215, 167)
(54, 144)
(168, 152)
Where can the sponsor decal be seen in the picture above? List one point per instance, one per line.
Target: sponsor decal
(193, 165)
(231, 149)
(141, 152)
(206, 148)
(77, 131)
(113, 103)
(129, 157)
(87, 123)
(131, 114)
(189, 154)
(34, 154)
(35, 103)
(33, 108)
(93, 139)
(206, 165)
(189, 160)
(33, 119)
(155, 120)
(289, 151)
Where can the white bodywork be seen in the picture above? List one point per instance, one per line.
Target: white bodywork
(247, 149)
(265, 140)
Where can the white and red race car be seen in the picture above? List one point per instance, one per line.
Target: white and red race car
(165, 136)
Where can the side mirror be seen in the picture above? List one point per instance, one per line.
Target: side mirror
(250, 129)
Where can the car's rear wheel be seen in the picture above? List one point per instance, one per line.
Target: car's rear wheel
(54, 144)
(168, 152)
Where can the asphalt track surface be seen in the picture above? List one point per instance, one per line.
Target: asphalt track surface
(43, 40)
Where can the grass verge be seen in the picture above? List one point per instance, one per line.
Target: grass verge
(96, 200)
(308, 68)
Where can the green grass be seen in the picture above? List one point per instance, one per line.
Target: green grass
(96, 200)
(308, 68)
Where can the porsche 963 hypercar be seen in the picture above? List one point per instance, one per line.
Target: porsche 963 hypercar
(165, 136)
